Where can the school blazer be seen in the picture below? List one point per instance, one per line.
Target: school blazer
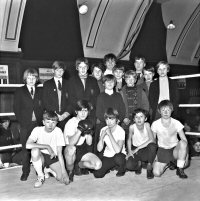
(50, 97)
(24, 106)
(154, 95)
(77, 91)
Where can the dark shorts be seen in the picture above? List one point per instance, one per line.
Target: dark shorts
(48, 161)
(82, 150)
(165, 155)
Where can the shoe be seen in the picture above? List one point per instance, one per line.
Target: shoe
(24, 177)
(172, 165)
(77, 171)
(180, 172)
(39, 182)
(71, 175)
(150, 174)
(120, 174)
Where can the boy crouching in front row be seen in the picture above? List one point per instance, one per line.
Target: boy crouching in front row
(46, 144)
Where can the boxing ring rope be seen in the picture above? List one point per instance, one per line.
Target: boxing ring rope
(40, 85)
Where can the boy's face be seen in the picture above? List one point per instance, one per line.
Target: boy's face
(31, 80)
(165, 112)
(130, 81)
(58, 73)
(49, 125)
(148, 75)
(162, 70)
(111, 122)
(118, 74)
(97, 73)
(139, 65)
(82, 68)
(109, 84)
(140, 118)
(110, 63)
(5, 124)
(82, 114)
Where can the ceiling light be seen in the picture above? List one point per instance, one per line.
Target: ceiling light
(171, 25)
(83, 8)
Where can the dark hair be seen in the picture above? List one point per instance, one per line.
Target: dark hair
(139, 57)
(165, 103)
(82, 104)
(119, 67)
(140, 110)
(97, 65)
(80, 60)
(150, 69)
(50, 115)
(111, 113)
(30, 71)
(108, 77)
(4, 119)
(162, 63)
(58, 65)
(130, 73)
(108, 57)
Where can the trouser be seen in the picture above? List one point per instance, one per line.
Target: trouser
(147, 154)
(26, 153)
(118, 160)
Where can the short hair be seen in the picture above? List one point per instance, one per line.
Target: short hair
(150, 69)
(130, 73)
(82, 104)
(97, 65)
(108, 57)
(80, 60)
(111, 113)
(162, 63)
(140, 110)
(30, 71)
(108, 77)
(119, 67)
(50, 115)
(58, 64)
(139, 57)
(165, 103)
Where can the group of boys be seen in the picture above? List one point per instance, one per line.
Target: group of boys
(108, 129)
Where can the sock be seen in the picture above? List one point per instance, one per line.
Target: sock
(38, 167)
(180, 163)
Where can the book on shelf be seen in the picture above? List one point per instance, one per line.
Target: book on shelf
(4, 78)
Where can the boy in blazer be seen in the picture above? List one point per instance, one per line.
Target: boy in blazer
(28, 111)
(55, 94)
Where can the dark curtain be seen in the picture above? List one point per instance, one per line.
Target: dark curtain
(51, 30)
(151, 41)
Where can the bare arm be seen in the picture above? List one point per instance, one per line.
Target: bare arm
(100, 144)
(182, 136)
(30, 144)
(129, 142)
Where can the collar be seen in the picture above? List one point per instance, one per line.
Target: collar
(56, 80)
(109, 92)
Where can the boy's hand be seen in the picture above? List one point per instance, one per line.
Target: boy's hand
(129, 155)
(65, 179)
(51, 152)
(127, 121)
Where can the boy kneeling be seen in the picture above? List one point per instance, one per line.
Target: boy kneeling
(169, 147)
(46, 144)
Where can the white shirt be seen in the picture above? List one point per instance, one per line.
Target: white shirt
(164, 89)
(118, 134)
(71, 129)
(167, 136)
(56, 81)
(54, 138)
(29, 88)
(139, 137)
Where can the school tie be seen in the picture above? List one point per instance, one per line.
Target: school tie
(32, 91)
(59, 85)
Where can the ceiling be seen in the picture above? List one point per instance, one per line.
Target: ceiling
(110, 24)
(50, 29)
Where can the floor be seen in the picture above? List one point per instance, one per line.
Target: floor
(85, 188)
